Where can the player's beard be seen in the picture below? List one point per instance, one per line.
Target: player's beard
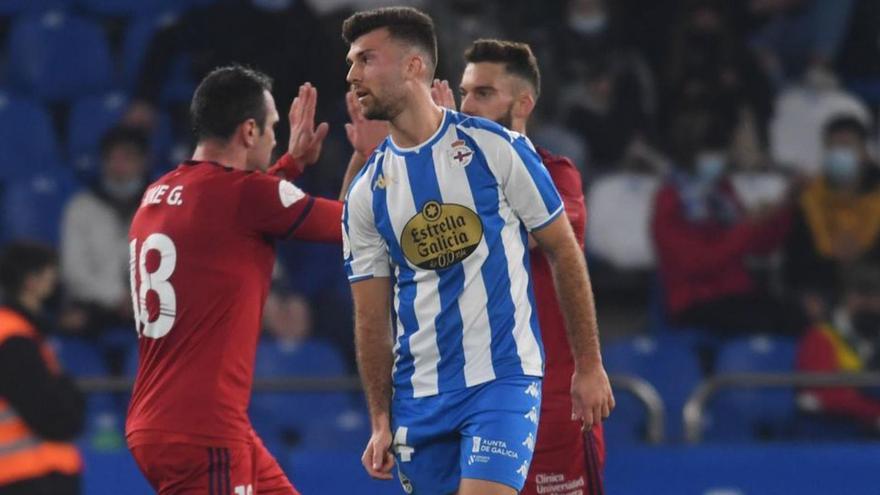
(384, 108)
(507, 119)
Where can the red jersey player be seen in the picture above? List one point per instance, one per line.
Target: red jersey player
(501, 82)
(202, 252)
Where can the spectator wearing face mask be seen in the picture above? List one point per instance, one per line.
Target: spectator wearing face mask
(94, 236)
(838, 219)
(703, 237)
(848, 341)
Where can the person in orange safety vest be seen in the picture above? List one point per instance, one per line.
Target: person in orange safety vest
(41, 410)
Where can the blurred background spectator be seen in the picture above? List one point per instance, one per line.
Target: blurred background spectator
(838, 218)
(848, 340)
(41, 409)
(94, 236)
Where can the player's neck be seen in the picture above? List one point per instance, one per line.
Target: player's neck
(417, 122)
(222, 153)
(519, 126)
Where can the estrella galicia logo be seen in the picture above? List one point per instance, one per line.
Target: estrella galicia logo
(441, 235)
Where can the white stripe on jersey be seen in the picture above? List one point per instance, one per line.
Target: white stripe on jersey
(477, 333)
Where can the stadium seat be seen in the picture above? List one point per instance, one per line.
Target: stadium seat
(750, 414)
(27, 140)
(105, 412)
(56, 56)
(334, 472)
(125, 8)
(32, 206)
(13, 7)
(669, 363)
(303, 418)
(89, 119)
(137, 40)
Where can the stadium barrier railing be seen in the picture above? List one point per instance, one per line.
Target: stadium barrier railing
(641, 389)
(694, 411)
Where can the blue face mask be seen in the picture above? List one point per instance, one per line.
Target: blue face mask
(588, 25)
(841, 165)
(710, 166)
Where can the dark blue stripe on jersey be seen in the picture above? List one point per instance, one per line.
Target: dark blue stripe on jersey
(406, 288)
(539, 174)
(211, 469)
(450, 369)
(302, 217)
(594, 474)
(226, 475)
(501, 309)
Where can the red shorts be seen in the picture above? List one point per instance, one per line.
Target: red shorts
(179, 468)
(567, 461)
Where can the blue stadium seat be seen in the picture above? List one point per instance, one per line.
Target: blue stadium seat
(666, 361)
(105, 412)
(27, 140)
(57, 56)
(124, 8)
(33, 206)
(749, 414)
(89, 119)
(305, 418)
(12, 7)
(179, 84)
(335, 473)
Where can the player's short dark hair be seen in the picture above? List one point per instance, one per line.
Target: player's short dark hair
(125, 135)
(406, 24)
(227, 97)
(21, 259)
(845, 123)
(517, 58)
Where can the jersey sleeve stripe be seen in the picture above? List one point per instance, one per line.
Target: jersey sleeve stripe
(301, 218)
(547, 222)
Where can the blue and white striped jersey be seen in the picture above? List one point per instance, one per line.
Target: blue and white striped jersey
(448, 221)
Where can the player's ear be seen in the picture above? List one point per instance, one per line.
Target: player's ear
(524, 104)
(249, 131)
(415, 67)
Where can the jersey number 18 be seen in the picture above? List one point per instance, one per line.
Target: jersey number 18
(155, 263)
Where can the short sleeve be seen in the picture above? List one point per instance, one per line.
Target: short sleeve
(527, 185)
(271, 206)
(364, 249)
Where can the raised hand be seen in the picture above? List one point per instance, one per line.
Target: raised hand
(305, 139)
(363, 134)
(442, 94)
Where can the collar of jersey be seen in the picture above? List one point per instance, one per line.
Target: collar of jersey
(430, 142)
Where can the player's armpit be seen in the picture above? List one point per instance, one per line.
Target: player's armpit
(319, 221)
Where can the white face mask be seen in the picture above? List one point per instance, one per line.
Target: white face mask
(588, 25)
(841, 165)
(710, 166)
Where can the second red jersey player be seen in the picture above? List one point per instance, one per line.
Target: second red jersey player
(202, 252)
(566, 459)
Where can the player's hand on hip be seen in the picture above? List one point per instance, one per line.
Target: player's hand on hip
(591, 396)
(442, 94)
(305, 139)
(363, 134)
(377, 458)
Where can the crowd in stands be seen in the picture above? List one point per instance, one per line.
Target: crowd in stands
(728, 151)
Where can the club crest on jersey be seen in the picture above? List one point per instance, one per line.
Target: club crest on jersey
(460, 154)
(441, 235)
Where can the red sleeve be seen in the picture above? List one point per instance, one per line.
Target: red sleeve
(271, 206)
(322, 222)
(816, 354)
(568, 182)
(684, 247)
(286, 168)
(773, 233)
